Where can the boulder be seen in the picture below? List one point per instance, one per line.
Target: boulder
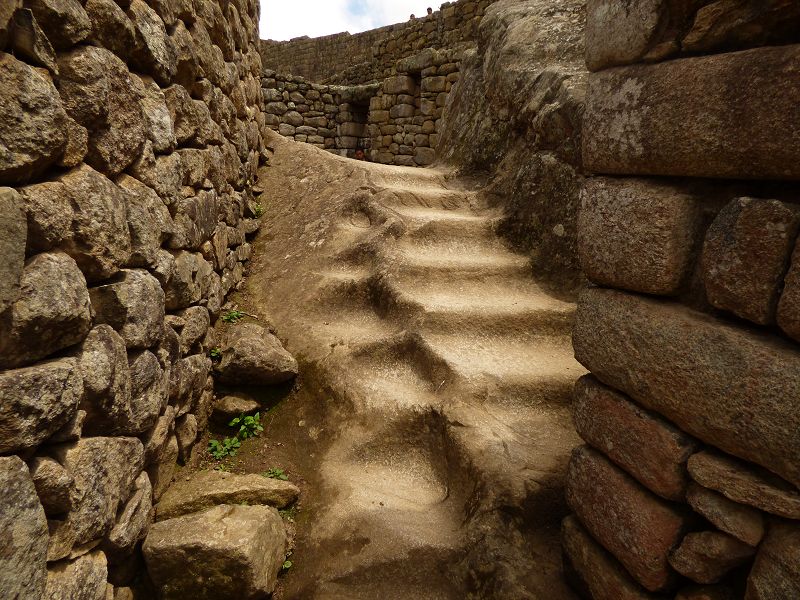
(186, 434)
(13, 236)
(64, 21)
(231, 406)
(133, 305)
(195, 220)
(37, 401)
(618, 34)
(32, 121)
(776, 572)
(745, 484)
(745, 254)
(98, 238)
(133, 522)
(638, 234)
(186, 61)
(188, 379)
(741, 521)
(98, 92)
(104, 469)
(49, 215)
(149, 222)
(106, 382)
(111, 27)
(153, 52)
(156, 440)
(637, 527)
(196, 325)
(191, 119)
(691, 117)
(159, 122)
(646, 446)
(162, 471)
(30, 42)
(707, 556)
(80, 579)
(149, 390)
(590, 568)
(53, 485)
(52, 313)
(253, 356)
(211, 488)
(721, 373)
(163, 173)
(194, 556)
(23, 549)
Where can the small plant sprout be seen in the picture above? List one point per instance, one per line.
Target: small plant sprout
(249, 426)
(258, 210)
(225, 448)
(215, 353)
(288, 514)
(233, 316)
(276, 473)
(287, 564)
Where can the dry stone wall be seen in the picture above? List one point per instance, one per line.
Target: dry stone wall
(396, 121)
(347, 59)
(130, 134)
(689, 480)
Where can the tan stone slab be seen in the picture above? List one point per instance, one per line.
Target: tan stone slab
(725, 385)
(725, 115)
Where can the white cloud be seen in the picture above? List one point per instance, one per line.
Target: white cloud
(286, 19)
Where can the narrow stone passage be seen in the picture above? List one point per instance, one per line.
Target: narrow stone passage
(448, 371)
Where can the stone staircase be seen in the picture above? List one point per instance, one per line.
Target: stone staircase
(452, 372)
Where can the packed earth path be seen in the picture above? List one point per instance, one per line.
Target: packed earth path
(442, 374)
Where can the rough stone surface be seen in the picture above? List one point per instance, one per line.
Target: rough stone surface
(619, 33)
(98, 93)
(98, 237)
(693, 117)
(648, 448)
(111, 28)
(133, 305)
(149, 390)
(32, 121)
(186, 430)
(104, 470)
(638, 234)
(52, 313)
(64, 21)
(789, 304)
(133, 522)
(210, 488)
(153, 51)
(745, 484)
(194, 556)
(707, 556)
(776, 572)
(23, 545)
(596, 571)
(80, 579)
(37, 401)
(253, 356)
(53, 485)
(231, 406)
(741, 521)
(159, 122)
(162, 471)
(13, 233)
(745, 254)
(149, 222)
(726, 386)
(638, 528)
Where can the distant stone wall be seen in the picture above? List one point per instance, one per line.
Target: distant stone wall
(130, 133)
(347, 59)
(396, 121)
(689, 229)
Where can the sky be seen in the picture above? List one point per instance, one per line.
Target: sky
(286, 19)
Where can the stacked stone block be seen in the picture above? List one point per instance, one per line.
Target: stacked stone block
(371, 56)
(396, 121)
(130, 135)
(689, 483)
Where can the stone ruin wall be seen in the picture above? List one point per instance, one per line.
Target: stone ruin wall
(346, 59)
(396, 121)
(131, 133)
(688, 482)
(381, 91)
